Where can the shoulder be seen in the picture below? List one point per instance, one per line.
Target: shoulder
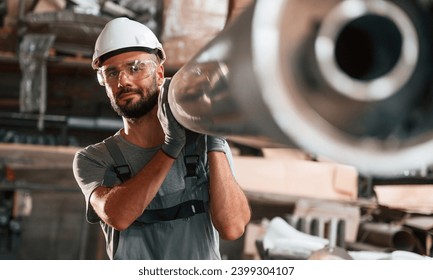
(91, 151)
(95, 153)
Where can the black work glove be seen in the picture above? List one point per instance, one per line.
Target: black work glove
(215, 144)
(174, 133)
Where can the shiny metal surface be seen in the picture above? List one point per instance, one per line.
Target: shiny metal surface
(218, 92)
(348, 80)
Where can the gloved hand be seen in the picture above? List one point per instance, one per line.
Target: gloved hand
(174, 133)
(215, 144)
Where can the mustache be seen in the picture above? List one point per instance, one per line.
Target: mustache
(122, 91)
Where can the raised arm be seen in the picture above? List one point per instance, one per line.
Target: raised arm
(229, 206)
(121, 205)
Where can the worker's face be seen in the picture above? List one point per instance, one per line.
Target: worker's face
(132, 83)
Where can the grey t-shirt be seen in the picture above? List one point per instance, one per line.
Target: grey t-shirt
(190, 238)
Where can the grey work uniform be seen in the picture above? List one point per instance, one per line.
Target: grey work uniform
(189, 238)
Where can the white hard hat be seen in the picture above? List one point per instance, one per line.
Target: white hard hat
(122, 34)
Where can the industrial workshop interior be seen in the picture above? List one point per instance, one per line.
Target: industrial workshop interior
(327, 106)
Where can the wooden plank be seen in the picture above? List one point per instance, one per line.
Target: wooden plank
(26, 156)
(38, 167)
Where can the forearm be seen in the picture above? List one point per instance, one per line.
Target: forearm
(121, 205)
(229, 206)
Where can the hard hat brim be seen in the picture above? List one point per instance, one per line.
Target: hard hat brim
(98, 62)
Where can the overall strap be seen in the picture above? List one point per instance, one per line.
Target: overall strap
(182, 210)
(121, 168)
(191, 159)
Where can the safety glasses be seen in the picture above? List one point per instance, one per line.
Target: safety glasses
(136, 70)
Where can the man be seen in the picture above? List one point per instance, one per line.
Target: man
(161, 192)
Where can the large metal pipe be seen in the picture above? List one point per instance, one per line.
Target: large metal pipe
(387, 236)
(348, 80)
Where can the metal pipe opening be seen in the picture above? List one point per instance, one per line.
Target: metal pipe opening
(368, 47)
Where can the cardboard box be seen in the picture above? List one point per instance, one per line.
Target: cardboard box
(188, 26)
(44, 6)
(13, 11)
(287, 174)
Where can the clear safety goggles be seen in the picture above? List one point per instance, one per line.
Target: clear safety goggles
(136, 70)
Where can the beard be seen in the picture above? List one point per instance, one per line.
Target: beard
(137, 109)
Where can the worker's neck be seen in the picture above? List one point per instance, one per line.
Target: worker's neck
(145, 132)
